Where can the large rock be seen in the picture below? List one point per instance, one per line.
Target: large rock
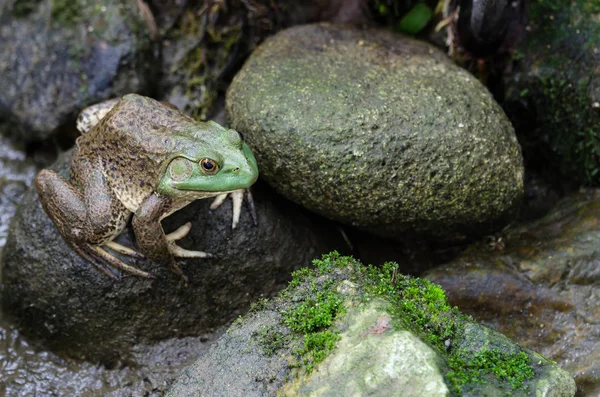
(539, 284)
(58, 56)
(378, 131)
(347, 330)
(79, 311)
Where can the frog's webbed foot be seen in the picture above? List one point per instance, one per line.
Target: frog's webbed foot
(176, 250)
(237, 197)
(92, 253)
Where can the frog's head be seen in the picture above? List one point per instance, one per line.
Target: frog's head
(210, 160)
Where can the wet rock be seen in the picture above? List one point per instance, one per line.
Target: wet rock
(79, 311)
(28, 369)
(344, 329)
(378, 131)
(58, 56)
(539, 285)
(16, 174)
(553, 93)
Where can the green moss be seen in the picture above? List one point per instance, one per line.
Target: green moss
(319, 307)
(21, 8)
(202, 68)
(561, 87)
(66, 12)
(419, 304)
(513, 368)
(258, 305)
(270, 339)
(315, 313)
(414, 303)
(331, 261)
(423, 307)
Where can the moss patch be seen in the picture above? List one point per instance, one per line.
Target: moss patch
(316, 298)
(66, 12)
(271, 340)
(312, 317)
(513, 368)
(552, 96)
(21, 8)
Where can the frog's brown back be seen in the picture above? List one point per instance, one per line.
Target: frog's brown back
(133, 141)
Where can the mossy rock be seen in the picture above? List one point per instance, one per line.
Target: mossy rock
(377, 130)
(348, 329)
(553, 94)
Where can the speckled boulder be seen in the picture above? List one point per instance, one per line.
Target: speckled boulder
(379, 131)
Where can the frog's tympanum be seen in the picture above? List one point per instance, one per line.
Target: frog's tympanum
(147, 159)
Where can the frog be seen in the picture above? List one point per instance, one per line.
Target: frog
(141, 160)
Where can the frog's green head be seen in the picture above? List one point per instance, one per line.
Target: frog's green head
(211, 160)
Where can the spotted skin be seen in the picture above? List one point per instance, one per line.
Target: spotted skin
(120, 168)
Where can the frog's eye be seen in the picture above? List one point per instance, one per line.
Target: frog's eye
(180, 169)
(209, 166)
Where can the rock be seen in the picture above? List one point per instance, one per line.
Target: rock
(57, 56)
(79, 311)
(538, 284)
(30, 370)
(378, 131)
(347, 329)
(553, 93)
(16, 175)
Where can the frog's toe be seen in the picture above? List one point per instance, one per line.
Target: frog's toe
(121, 249)
(115, 262)
(220, 199)
(237, 197)
(92, 259)
(180, 233)
(183, 253)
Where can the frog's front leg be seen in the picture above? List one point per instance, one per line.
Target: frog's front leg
(151, 238)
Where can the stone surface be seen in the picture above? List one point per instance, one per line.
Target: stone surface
(58, 56)
(79, 311)
(378, 131)
(539, 284)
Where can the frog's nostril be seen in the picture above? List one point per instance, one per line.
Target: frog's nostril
(236, 169)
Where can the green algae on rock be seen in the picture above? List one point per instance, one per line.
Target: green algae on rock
(376, 130)
(553, 94)
(538, 284)
(376, 331)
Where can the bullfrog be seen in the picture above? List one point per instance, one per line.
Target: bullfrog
(142, 159)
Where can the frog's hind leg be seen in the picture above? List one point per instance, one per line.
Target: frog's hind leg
(85, 216)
